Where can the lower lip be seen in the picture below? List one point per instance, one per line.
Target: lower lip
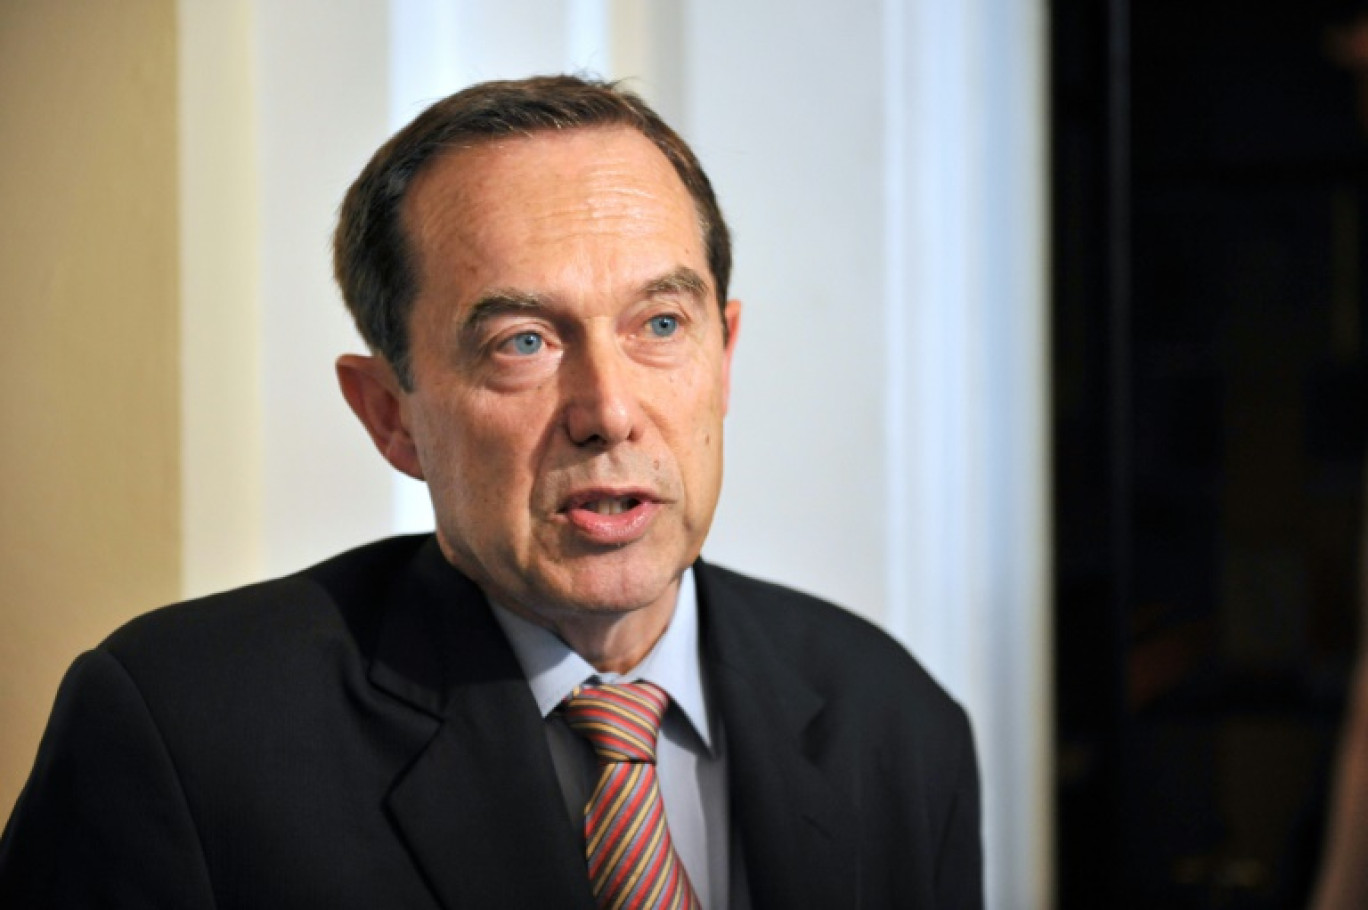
(613, 530)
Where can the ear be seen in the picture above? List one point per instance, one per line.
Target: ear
(731, 315)
(373, 391)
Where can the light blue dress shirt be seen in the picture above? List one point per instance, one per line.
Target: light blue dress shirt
(690, 761)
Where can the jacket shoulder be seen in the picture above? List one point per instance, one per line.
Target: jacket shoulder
(839, 653)
(341, 598)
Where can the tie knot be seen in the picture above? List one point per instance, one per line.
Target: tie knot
(620, 720)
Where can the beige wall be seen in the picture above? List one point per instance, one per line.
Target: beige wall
(89, 427)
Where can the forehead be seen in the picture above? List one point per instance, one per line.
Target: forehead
(549, 193)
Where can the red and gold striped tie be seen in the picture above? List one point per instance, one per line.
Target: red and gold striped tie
(632, 861)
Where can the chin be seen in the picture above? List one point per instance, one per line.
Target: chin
(612, 587)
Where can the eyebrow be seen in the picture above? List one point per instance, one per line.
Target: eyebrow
(508, 301)
(499, 302)
(682, 280)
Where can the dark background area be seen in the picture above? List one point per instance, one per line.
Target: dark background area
(1210, 206)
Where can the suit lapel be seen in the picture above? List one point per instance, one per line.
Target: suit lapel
(479, 807)
(798, 834)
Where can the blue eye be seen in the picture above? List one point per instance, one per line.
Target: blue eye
(664, 326)
(526, 343)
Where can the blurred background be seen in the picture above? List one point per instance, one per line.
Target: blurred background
(1210, 403)
(1052, 361)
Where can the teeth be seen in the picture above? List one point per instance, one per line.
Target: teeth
(613, 506)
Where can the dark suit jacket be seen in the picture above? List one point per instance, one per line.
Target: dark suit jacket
(360, 735)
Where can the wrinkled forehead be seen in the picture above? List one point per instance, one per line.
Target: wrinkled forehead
(595, 179)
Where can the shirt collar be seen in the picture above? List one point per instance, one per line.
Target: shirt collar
(553, 669)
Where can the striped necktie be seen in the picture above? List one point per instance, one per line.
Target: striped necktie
(632, 861)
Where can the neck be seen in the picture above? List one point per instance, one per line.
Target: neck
(616, 646)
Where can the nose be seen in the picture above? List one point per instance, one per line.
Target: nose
(600, 403)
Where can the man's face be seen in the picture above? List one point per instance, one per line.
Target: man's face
(569, 371)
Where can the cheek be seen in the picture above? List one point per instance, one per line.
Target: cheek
(474, 489)
(485, 452)
(702, 401)
(448, 452)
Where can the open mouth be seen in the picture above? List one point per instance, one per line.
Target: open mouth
(611, 518)
(611, 505)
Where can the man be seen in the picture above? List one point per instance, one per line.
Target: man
(540, 270)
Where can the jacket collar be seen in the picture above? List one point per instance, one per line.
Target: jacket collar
(481, 798)
(797, 830)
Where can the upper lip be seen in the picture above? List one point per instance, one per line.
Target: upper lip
(594, 494)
